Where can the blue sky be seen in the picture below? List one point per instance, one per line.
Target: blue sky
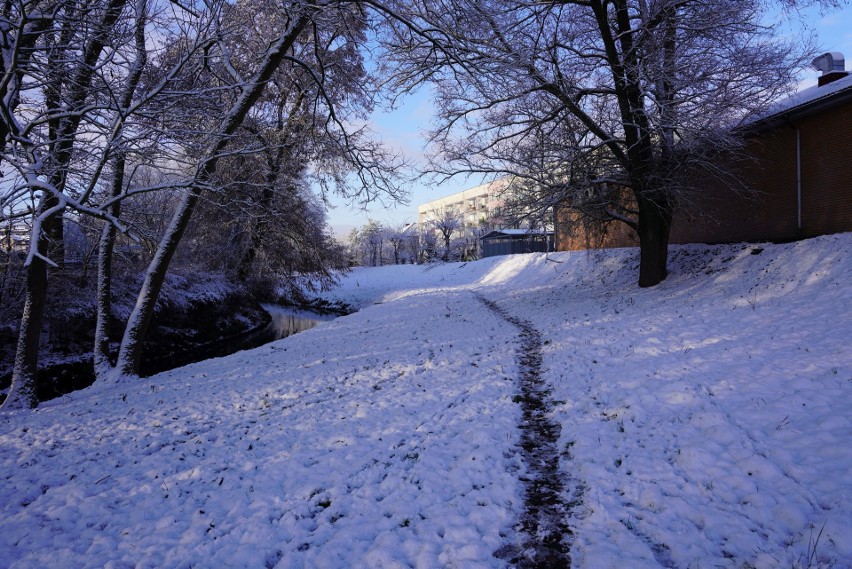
(402, 129)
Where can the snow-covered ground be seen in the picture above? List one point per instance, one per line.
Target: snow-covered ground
(705, 423)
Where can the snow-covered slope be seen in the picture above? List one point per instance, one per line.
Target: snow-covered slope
(705, 423)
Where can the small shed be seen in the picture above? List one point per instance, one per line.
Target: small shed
(512, 241)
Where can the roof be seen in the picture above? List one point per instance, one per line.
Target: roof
(516, 233)
(806, 102)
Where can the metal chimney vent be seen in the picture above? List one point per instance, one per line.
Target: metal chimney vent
(832, 65)
(829, 62)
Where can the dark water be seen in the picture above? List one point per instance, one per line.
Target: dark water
(287, 321)
(284, 321)
(57, 380)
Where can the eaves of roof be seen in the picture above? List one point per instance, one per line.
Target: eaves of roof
(804, 104)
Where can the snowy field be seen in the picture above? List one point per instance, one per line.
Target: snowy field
(704, 423)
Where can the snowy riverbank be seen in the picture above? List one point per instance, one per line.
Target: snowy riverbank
(704, 422)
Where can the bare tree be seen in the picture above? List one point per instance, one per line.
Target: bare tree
(374, 243)
(401, 238)
(446, 221)
(367, 244)
(427, 249)
(605, 105)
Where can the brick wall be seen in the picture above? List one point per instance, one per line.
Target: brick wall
(765, 211)
(718, 214)
(826, 142)
(572, 235)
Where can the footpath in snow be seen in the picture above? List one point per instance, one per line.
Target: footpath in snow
(544, 523)
(701, 423)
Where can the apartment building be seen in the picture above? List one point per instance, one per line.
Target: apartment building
(476, 209)
(480, 224)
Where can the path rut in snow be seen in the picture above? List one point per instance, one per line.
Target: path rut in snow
(546, 537)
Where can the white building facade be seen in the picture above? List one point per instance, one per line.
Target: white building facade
(478, 209)
(468, 216)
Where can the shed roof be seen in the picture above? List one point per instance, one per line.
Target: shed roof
(516, 233)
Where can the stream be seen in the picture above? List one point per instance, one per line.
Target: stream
(57, 380)
(287, 321)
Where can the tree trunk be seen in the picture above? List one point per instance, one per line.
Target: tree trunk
(655, 221)
(130, 353)
(274, 162)
(258, 231)
(104, 299)
(7, 263)
(106, 246)
(22, 394)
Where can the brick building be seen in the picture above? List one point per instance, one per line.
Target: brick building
(800, 174)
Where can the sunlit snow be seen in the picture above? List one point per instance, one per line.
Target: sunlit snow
(705, 423)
